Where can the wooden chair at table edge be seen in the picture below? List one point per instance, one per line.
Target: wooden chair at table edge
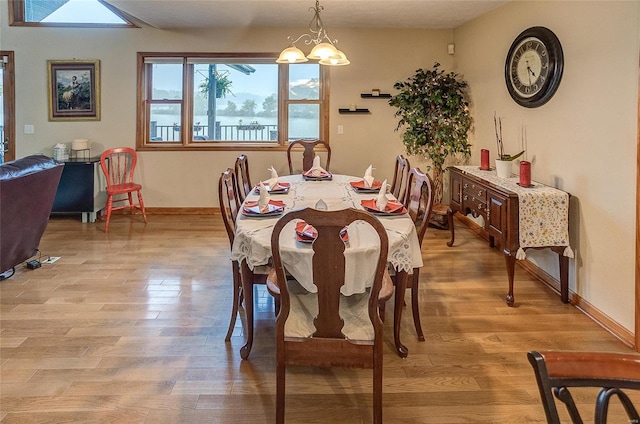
(308, 154)
(419, 203)
(318, 349)
(243, 179)
(118, 166)
(229, 209)
(400, 178)
(559, 371)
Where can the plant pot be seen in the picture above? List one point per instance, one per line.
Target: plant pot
(503, 168)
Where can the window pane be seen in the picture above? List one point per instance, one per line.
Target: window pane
(165, 124)
(304, 121)
(245, 106)
(166, 81)
(304, 81)
(69, 11)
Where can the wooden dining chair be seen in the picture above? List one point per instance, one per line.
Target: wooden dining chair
(400, 176)
(230, 208)
(242, 177)
(118, 165)
(419, 199)
(328, 329)
(558, 372)
(308, 153)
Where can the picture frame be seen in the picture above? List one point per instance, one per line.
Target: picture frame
(74, 90)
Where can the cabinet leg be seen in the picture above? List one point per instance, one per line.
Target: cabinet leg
(563, 261)
(85, 217)
(510, 260)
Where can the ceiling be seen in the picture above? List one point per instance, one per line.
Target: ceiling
(432, 14)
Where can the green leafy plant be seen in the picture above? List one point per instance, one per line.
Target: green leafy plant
(223, 84)
(435, 117)
(497, 124)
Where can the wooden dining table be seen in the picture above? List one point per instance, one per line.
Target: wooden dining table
(252, 244)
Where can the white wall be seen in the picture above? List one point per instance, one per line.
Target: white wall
(189, 179)
(582, 141)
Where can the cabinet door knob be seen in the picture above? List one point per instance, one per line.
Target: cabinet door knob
(466, 185)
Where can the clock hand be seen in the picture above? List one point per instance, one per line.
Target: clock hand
(529, 72)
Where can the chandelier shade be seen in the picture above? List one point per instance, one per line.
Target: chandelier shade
(292, 55)
(324, 48)
(341, 60)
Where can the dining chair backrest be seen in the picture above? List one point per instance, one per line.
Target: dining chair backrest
(318, 328)
(242, 177)
(400, 174)
(229, 202)
(308, 153)
(118, 165)
(558, 372)
(419, 199)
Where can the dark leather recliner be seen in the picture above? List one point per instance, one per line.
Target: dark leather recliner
(27, 189)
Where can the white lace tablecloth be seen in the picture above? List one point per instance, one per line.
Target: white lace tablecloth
(543, 212)
(253, 235)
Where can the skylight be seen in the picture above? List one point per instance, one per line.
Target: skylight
(71, 12)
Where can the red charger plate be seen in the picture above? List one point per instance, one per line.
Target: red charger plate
(393, 207)
(360, 186)
(251, 208)
(281, 188)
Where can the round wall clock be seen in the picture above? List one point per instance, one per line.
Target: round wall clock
(533, 68)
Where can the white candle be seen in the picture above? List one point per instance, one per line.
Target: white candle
(80, 144)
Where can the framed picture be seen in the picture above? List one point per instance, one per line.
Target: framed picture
(74, 90)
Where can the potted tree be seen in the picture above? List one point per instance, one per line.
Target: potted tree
(434, 115)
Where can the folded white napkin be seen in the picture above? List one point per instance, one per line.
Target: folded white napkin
(368, 178)
(273, 181)
(263, 202)
(321, 205)
(316, 169)
(381, 200)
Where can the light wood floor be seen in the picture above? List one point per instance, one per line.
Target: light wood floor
(129, 327)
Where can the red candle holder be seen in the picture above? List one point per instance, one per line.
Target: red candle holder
(484, 160)
(525, 173)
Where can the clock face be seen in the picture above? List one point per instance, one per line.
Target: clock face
(534, 67)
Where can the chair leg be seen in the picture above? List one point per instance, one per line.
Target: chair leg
(280, 387)
(414, 303)
(377, 387)
(141, 203)
(108, 207)
(236, 300)
(381, 309)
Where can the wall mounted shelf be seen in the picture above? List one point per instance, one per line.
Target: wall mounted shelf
(379, 96)
(361, 111)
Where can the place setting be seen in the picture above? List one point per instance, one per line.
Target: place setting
(317, 172)
(273, 185)
(382, 205)
(368, 184)
(306, 233)
(264, 207)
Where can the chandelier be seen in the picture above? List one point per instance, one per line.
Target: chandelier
(324, 49)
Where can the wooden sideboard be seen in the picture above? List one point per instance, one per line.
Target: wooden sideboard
(470, 194)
